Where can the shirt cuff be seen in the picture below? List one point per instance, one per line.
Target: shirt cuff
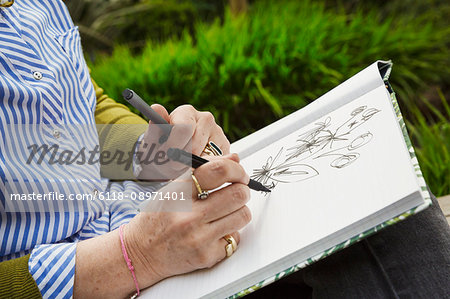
(52, 266)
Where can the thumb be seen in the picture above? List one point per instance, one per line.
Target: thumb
(161, 111)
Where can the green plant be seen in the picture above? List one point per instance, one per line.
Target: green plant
(256, 68)
(102, 23)
(432, 145)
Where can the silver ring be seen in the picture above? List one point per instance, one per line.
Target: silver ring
(203, 195)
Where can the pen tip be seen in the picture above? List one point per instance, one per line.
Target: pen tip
(257, 186)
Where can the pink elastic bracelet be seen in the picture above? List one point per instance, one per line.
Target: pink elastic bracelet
(128, 261)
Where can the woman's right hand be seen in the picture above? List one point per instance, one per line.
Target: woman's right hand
(163, 244)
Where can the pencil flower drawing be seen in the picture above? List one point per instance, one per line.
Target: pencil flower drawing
(323, 141)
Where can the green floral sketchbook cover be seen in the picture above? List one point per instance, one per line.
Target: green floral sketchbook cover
(385, 72)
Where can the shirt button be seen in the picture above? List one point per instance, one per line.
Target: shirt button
(95, 193)
(56, 134)
(37, 75)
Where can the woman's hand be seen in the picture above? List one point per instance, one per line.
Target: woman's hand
(204, 127)
(191, 131)
(164, 244)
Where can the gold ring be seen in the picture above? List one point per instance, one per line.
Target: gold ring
(229, 250)
(6, 3)
(212, 149)
(202, 194)
(231, 244)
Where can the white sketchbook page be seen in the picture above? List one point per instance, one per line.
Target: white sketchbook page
(356, 86)
(300, 213)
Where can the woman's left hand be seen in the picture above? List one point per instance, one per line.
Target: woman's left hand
(191, 131)
(202, 123)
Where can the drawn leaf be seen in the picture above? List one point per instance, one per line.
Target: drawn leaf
(344, 160)
(294, 173)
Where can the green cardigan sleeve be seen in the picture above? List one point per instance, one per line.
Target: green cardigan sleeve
(16, 281)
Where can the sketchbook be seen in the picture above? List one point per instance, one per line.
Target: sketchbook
(340, 169)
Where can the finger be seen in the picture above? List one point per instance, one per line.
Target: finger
(223, 202)
(207, 130)
(180, 137)
(233, 157)
(219, 248)
(185, 114)
(202, 132)
(216, 252)
(154, 153)
(223, 142)
(236, 236)
(232, 222)
(161, 111)
(219, 171)
(184, 122)
(218, 137)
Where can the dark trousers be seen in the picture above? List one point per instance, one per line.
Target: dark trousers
(410, 259)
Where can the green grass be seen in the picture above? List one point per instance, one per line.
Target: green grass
(432, 144)
(254, 69)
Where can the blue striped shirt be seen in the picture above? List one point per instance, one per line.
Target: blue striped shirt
(44, 80)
